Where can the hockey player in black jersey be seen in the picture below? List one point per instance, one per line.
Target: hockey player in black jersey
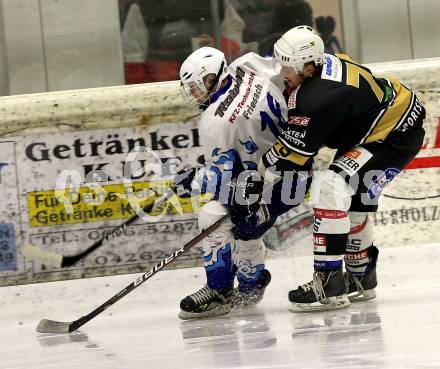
(376, 126)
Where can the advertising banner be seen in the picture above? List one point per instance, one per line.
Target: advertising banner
(62, 192)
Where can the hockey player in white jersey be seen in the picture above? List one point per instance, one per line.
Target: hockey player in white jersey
(242, 115)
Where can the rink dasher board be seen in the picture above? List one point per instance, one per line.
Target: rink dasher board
(28, 182)
(409, 214)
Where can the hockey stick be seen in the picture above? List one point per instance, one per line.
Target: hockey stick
(53, 326)
(60, 261)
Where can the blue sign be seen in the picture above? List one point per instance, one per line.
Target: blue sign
(1, 167)
(8, 250)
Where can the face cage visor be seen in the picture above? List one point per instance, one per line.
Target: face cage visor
(194, 95)
(197, 94)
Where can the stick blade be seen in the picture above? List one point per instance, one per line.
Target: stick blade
(45, 257)
(52, 326)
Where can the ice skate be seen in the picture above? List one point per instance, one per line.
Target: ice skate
(246, 295)
(327, 291)
(361, 288)
(206, 302)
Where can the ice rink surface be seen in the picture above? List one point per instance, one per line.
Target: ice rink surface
(399, 329)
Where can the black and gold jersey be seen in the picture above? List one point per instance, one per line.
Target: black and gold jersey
(343, 106)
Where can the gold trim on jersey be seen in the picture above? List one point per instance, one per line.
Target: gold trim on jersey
(354, 72)
(391, 116)
(345, 57)
(287, 154)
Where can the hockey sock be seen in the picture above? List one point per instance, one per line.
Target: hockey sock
(249, 260)
(360, 239)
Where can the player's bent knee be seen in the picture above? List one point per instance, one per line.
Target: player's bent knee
(210, 213)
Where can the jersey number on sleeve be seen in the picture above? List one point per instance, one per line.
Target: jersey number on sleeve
(353, 75)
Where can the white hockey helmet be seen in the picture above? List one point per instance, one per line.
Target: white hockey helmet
(199, 64)
(299, 46)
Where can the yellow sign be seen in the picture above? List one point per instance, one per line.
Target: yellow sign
(108, 202)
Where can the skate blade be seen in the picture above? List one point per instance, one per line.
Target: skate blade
(330, 303)
(34, 253)
(220, 310)
(244, 303)
(362, 296)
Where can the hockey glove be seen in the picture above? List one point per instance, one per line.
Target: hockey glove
(247, 195)
(250, 227)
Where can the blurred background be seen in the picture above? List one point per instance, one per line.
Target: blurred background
(53, 45)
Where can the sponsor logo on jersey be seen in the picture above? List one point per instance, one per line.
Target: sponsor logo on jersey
(251, 106)
(351, 161)
(299, 121)
(232, 94)
(328, 66)
(319, 243)
(332, 69)
(294, 137)
(379, 184)
(412, 116)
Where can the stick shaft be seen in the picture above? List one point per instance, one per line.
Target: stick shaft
(156, 268)
(73, 259)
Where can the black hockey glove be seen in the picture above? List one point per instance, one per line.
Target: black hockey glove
(252, 226)
(182, 182)
(277, 164)
(247, 195)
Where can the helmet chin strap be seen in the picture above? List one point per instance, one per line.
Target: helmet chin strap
(205, 104)
(217, 77)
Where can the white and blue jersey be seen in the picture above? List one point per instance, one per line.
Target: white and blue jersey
(243, 120)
